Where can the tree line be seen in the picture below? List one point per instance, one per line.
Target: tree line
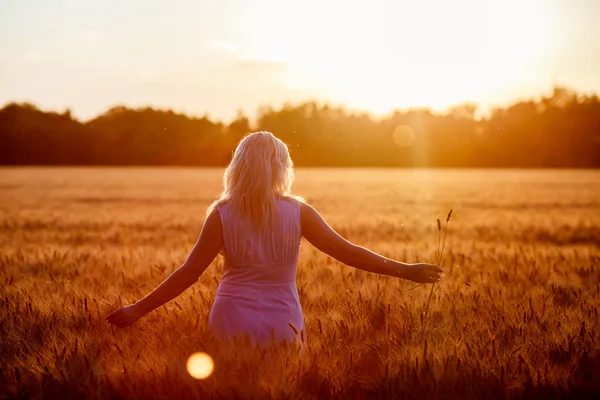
(560, 130)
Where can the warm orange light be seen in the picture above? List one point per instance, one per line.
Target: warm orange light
(200, 365)
(409, 56)
(403, 136)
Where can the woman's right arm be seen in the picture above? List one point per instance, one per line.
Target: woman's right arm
(324, 238)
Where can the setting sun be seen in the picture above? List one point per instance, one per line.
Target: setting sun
(376, 56)
(393, 54)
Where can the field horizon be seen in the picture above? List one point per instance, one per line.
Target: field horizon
(516, 315)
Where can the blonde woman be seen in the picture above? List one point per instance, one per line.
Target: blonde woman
(257, 225)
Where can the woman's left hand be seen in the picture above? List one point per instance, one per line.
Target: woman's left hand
(125, 315)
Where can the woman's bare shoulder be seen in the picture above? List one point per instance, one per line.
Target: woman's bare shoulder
(294, 199)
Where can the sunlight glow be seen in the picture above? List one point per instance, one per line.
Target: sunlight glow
(403, 136)
(200, 365)
(383, 54)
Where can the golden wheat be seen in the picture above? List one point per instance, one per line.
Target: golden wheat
(515, 315)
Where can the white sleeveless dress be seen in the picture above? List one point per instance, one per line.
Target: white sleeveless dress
(257, 294)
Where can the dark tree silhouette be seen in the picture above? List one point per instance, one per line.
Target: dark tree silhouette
(562, 130)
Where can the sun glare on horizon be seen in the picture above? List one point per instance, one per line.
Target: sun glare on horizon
(217, 58)
(388, 55)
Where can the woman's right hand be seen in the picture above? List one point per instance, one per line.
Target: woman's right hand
(423, 273)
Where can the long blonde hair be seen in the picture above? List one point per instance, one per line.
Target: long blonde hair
(260, 172)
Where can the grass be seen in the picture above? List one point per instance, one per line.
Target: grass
(516, 314)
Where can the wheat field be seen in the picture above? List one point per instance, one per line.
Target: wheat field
(515, 316)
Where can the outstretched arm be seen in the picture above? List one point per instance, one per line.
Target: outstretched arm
(324, 238)
(204, 252)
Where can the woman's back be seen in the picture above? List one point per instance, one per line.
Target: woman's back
(257, 294)
(248, 255)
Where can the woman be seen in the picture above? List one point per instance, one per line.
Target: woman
(257, 225)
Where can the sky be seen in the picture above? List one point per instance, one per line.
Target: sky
(220, 57)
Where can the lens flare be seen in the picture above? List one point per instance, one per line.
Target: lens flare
(200, 365)
(403, 135)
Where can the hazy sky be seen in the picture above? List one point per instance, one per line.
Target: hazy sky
(219, 56)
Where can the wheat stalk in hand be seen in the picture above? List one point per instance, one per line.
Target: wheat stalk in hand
(438, 254)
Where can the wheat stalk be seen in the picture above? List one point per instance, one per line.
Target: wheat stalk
(438, 255)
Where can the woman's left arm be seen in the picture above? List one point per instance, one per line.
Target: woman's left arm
(204, 252)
